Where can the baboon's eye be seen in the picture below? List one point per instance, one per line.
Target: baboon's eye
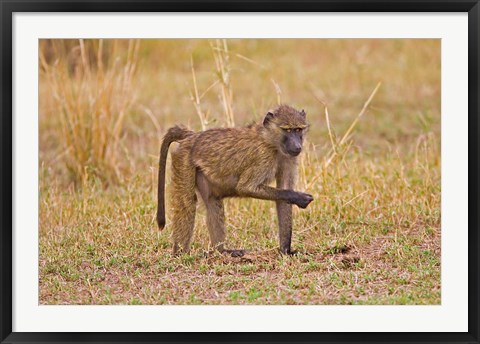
(298, 130)
(288, 130)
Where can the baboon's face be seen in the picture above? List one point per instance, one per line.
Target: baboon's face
(288, 126)
(292, 140)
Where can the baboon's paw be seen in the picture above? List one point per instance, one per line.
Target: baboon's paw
(289, 252)
(303, 199)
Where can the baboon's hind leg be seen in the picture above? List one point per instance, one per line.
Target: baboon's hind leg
(215, 217)
(183, 200)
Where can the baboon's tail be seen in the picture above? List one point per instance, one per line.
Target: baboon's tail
(173, 134)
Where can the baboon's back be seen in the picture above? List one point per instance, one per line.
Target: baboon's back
(224, 155)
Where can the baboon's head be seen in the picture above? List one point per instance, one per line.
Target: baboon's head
(286, 128)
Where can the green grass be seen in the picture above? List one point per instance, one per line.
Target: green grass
(372, 235)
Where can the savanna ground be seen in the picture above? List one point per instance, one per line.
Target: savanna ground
(372, 235)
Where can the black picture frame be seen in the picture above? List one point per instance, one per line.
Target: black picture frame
(9, 7)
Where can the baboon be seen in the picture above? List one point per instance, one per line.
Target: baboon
(233, 162)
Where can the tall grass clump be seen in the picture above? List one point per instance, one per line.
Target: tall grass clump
(221, 56)
(93, 88)
(222, 83)
(223, 70)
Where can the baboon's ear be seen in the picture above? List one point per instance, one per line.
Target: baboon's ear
(268, 118)
(303, 113)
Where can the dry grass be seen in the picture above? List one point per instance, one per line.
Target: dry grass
(372, 235)
(222, 65)
(91, 99)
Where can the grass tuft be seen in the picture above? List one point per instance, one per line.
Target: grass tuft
(93, 89)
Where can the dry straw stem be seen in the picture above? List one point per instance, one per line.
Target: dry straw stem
(278, 91)
(342, 146)
(240, 56)
(330, 134)
(221, 55)
(93, 93)
(336, 148)
(196, 98)
(152, 117)
(222, 63)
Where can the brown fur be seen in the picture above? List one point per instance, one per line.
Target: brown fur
(232, 162)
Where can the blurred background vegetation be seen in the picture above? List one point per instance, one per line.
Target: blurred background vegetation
(371, 236)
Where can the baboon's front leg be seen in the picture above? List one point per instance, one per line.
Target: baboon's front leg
(284, 211)
(250, 185)
(285, 180)
(266, 192)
